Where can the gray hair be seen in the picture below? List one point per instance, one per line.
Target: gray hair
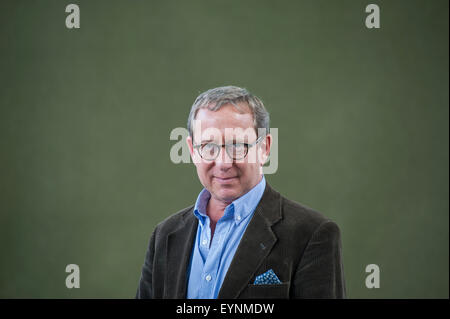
(214, 99)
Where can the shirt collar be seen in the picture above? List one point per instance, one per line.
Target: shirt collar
(239, 209)
(201, 204)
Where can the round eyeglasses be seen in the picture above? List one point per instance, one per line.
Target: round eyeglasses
(236, 151)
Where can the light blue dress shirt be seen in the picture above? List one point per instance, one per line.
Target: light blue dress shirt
(210, 260)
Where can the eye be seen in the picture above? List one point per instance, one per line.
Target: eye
(238, 149)
(208, 146)
(209, 150)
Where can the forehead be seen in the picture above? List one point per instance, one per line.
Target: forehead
(228, 122)
(228, 116)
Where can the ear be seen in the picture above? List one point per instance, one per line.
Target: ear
(190, 144)
(196, 159)
(265, 148)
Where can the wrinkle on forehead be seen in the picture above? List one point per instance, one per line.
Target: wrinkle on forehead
(230, 123)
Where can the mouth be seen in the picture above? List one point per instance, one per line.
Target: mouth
(225, 179)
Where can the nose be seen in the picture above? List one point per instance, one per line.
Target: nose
(224, 161)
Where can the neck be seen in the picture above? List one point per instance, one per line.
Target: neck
(216, 208)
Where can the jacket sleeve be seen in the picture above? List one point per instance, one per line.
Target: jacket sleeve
(320, 273)
(144, 290)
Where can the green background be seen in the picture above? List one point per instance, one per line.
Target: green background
(85, 118)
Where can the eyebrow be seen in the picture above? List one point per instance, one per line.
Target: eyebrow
(233, 141)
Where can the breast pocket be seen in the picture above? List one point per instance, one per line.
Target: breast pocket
(276, 291)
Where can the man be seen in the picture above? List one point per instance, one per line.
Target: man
(241, 239)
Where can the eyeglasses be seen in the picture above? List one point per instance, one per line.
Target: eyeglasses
(236, 151)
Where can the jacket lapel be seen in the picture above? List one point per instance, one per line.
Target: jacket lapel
(179, 248)
(255, 245)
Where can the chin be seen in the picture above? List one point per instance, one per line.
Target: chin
(227, 194)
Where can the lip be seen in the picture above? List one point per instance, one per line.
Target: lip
(224, 179)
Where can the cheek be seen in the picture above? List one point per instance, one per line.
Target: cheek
(203, 171)
(247, 170)
(254, 157)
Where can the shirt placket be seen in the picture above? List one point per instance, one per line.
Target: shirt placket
(215, 249)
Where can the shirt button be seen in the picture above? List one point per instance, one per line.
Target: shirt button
(208, 278)
(238, 217)
(204, 242)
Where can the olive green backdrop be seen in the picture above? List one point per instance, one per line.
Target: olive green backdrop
(85, 118)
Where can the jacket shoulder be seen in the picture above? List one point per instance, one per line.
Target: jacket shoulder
(300, 215)
(173, 221)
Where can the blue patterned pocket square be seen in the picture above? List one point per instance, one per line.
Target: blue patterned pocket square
(267, 278)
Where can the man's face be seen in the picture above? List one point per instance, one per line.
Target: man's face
(227, 179)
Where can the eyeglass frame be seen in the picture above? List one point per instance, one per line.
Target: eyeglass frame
(226, 149)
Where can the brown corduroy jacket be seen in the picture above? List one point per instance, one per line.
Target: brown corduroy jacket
(301, 245)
